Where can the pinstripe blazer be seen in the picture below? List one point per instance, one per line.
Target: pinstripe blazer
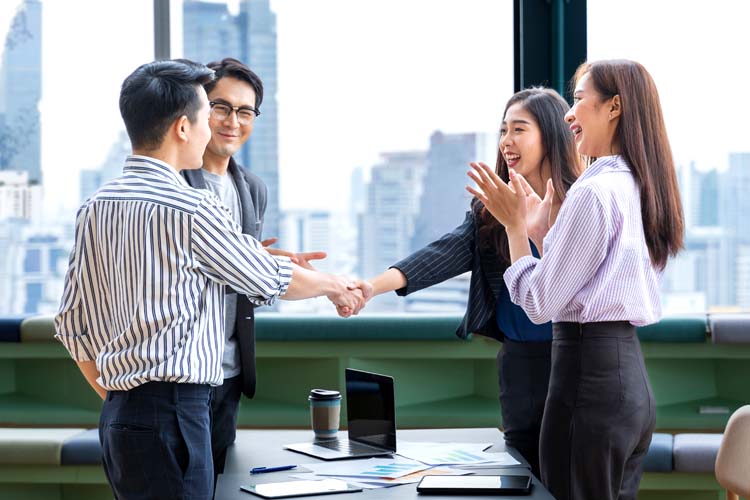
(253, 199)
(456, 253)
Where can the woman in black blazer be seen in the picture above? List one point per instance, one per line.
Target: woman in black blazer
(533, 140)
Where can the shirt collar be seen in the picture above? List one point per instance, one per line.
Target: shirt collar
(148, 164)
(614, 163)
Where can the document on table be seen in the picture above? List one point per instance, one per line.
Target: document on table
(454, 454)
(386, 468)
(371, 483)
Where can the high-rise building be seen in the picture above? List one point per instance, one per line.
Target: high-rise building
(211, 32)
(734, 207)
(387, 224)
(32, 266)
(91, 180)
(18, 198)
(20, 92)
(444, 200)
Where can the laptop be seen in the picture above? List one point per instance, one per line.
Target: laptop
(371, 412)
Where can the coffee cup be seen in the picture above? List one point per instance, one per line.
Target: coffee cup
(325, 412)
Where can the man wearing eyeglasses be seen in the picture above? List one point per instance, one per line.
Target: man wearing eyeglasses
(235, 96)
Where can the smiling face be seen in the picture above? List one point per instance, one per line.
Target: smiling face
(521, 142)
(228, 135)
(593, 120)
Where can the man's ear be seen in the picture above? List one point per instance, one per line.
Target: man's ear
(615, 108)
(181, 128)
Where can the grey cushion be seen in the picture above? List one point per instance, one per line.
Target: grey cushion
(33, 446)
(659, 456)
(730, 328)
(82, 449)
(38, 329)
(696, 452)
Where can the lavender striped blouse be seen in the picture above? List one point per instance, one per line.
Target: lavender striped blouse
(595, 265)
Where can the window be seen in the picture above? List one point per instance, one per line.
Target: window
(53, 151)
(407, 92)
(690, 49)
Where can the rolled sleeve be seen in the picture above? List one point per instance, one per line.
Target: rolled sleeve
(285, 277)
(70, 322)
(229, 257)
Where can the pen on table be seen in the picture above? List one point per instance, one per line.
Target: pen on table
(261, 470)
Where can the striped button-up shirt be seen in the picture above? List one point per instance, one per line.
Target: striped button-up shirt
(595, 265)
(144, 292)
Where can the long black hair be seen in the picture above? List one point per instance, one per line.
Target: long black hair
(548, 109)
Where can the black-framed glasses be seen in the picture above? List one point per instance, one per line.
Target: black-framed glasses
(245, 114)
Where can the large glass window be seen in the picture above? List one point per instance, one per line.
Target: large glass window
(61, 135)
(691, 50)
(371, 108)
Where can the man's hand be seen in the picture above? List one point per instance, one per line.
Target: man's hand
(347, 298)
(365, 288)
(302, 259)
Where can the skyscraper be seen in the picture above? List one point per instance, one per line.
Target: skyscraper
(20, 92)
(387, 223)
(444, 200)
(212, 33)
(734, 207)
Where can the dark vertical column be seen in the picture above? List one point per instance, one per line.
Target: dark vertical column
(549, 42)
(161, 29)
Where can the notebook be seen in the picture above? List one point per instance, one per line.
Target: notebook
(371, 413)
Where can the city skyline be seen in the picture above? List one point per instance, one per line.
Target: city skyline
(316, 155)
(414, 190)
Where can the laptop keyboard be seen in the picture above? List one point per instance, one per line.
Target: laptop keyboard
(346, 446)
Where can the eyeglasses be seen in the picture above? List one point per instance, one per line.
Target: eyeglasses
(245, 114)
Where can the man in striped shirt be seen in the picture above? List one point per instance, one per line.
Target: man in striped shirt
(142, 311)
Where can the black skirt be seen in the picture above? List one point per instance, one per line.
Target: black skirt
(599, 414)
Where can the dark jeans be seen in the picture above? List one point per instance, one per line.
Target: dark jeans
(224, 411)
(156, 442)
(523, 373)
(600, 413)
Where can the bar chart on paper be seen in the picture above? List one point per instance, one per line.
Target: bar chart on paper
(390, 470)
(459, 457)
(454, 454)
(370, 468)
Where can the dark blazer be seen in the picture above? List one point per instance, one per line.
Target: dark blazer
(253, 198)
(456, 253)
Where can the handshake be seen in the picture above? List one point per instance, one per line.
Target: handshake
(349, 296)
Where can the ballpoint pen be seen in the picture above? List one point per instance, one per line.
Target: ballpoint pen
(261, 470)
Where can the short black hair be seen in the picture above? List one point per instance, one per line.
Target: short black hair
(235, 69)
(156, 94)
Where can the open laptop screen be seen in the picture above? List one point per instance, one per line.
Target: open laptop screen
(370, 409)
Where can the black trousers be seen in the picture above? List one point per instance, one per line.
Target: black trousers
(224, 411)
(523, 374)
(599, 415)
(156, 442)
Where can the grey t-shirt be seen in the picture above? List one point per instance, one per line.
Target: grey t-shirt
(224, 187)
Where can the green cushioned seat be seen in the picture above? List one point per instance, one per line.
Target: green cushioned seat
(675, 329)
(376, 327)
(38, 329)
(33, 446)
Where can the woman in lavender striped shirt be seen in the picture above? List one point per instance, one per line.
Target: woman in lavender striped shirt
(598, 279)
